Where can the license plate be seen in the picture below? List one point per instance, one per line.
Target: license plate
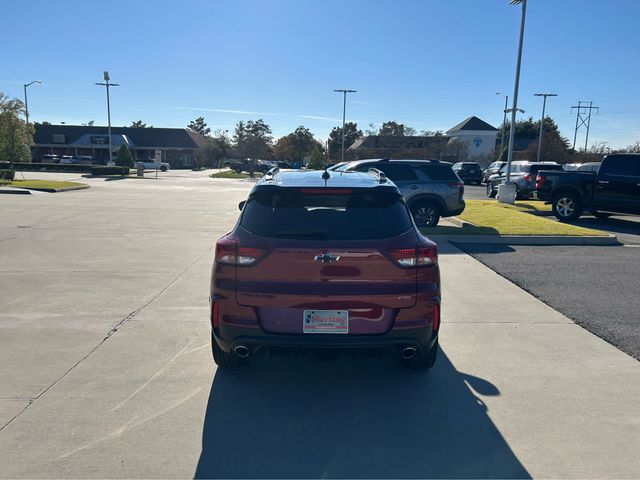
(325, 321)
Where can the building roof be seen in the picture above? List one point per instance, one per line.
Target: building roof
(136, 137)
(472, 123)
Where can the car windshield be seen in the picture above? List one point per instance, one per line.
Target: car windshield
(357, 215)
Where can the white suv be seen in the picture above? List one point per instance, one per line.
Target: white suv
(153, 165)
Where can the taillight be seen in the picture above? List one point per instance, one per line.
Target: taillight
(539, 182)
(415, 257)
(436, 316)
(228, 252)
(215, 314)
(527, 177)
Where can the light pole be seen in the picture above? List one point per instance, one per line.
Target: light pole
(544, 105)
(344, 112)
(26, 104)
(507, 191)
(108, 84)
(504, 122)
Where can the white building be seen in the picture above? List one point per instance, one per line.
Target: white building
(477, 135)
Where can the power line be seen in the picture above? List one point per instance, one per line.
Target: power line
(583, 118)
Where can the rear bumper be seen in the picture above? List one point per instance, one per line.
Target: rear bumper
(229, 337)
(476, 177)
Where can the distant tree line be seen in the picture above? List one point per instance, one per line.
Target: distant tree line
(254, 140)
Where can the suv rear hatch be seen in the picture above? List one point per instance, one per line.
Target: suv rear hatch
(323, 249)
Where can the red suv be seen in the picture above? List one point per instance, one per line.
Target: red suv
(325, 261)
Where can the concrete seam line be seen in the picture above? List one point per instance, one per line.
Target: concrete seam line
(117, 327)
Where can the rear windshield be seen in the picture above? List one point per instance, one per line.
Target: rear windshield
(537, 168)
(440, 173)
(358, 215)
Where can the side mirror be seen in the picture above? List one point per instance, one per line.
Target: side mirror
(241, 205)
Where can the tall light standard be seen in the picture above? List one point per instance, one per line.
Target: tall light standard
(544, 105)
(344, 112)
(507, 191)
(26, 104)
(504, 121)
(108, 84)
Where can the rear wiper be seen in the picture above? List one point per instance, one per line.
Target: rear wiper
(302, 234)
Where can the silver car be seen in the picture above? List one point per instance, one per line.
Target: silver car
(523, 174)
(430, 188)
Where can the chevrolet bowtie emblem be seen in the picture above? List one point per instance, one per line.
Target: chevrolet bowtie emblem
(326, 258)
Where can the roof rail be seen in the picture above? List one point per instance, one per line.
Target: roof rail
(378, 174)
(271, 173)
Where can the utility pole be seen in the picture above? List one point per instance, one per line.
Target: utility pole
(507, 191)
(108, 84)
(344, 112)
(504, 122)
(26, 103)
(583, 117)
(544, 104)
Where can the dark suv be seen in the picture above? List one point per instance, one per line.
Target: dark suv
(321, 261)
(431, 188)
(469, 172)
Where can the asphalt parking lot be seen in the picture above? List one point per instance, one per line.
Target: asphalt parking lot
(106, 368)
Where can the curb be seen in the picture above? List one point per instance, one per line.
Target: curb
(459, 222)
(54, 190)
(526, 240)
(14, 191)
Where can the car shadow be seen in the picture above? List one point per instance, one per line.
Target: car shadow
(473, 248)
(351, 418)
(615, 225)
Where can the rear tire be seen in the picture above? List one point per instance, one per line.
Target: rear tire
(163, 169)
(224, 359)
(426, 214)
(567, 207)
(491, 193)
(423, 360)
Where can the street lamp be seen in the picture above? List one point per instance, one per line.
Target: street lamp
(344, 111)
(544, 105)
(507, 191)
(504, 121)
(26, 104)
(108, 84)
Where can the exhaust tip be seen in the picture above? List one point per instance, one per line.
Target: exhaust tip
(241, 351)
(408, 353)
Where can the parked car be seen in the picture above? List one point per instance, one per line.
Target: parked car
(469, 172)
(581, 167)
(50, 159)
(523, 174)
(492, 170)
(262, 166)
(322, 261)
(82, 159)
(430, 188)
(66, 159)
(153, 165)
(614, 188)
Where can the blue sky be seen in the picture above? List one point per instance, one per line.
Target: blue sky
(429, 64)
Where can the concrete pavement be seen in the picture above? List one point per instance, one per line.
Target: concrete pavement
(106, 369)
